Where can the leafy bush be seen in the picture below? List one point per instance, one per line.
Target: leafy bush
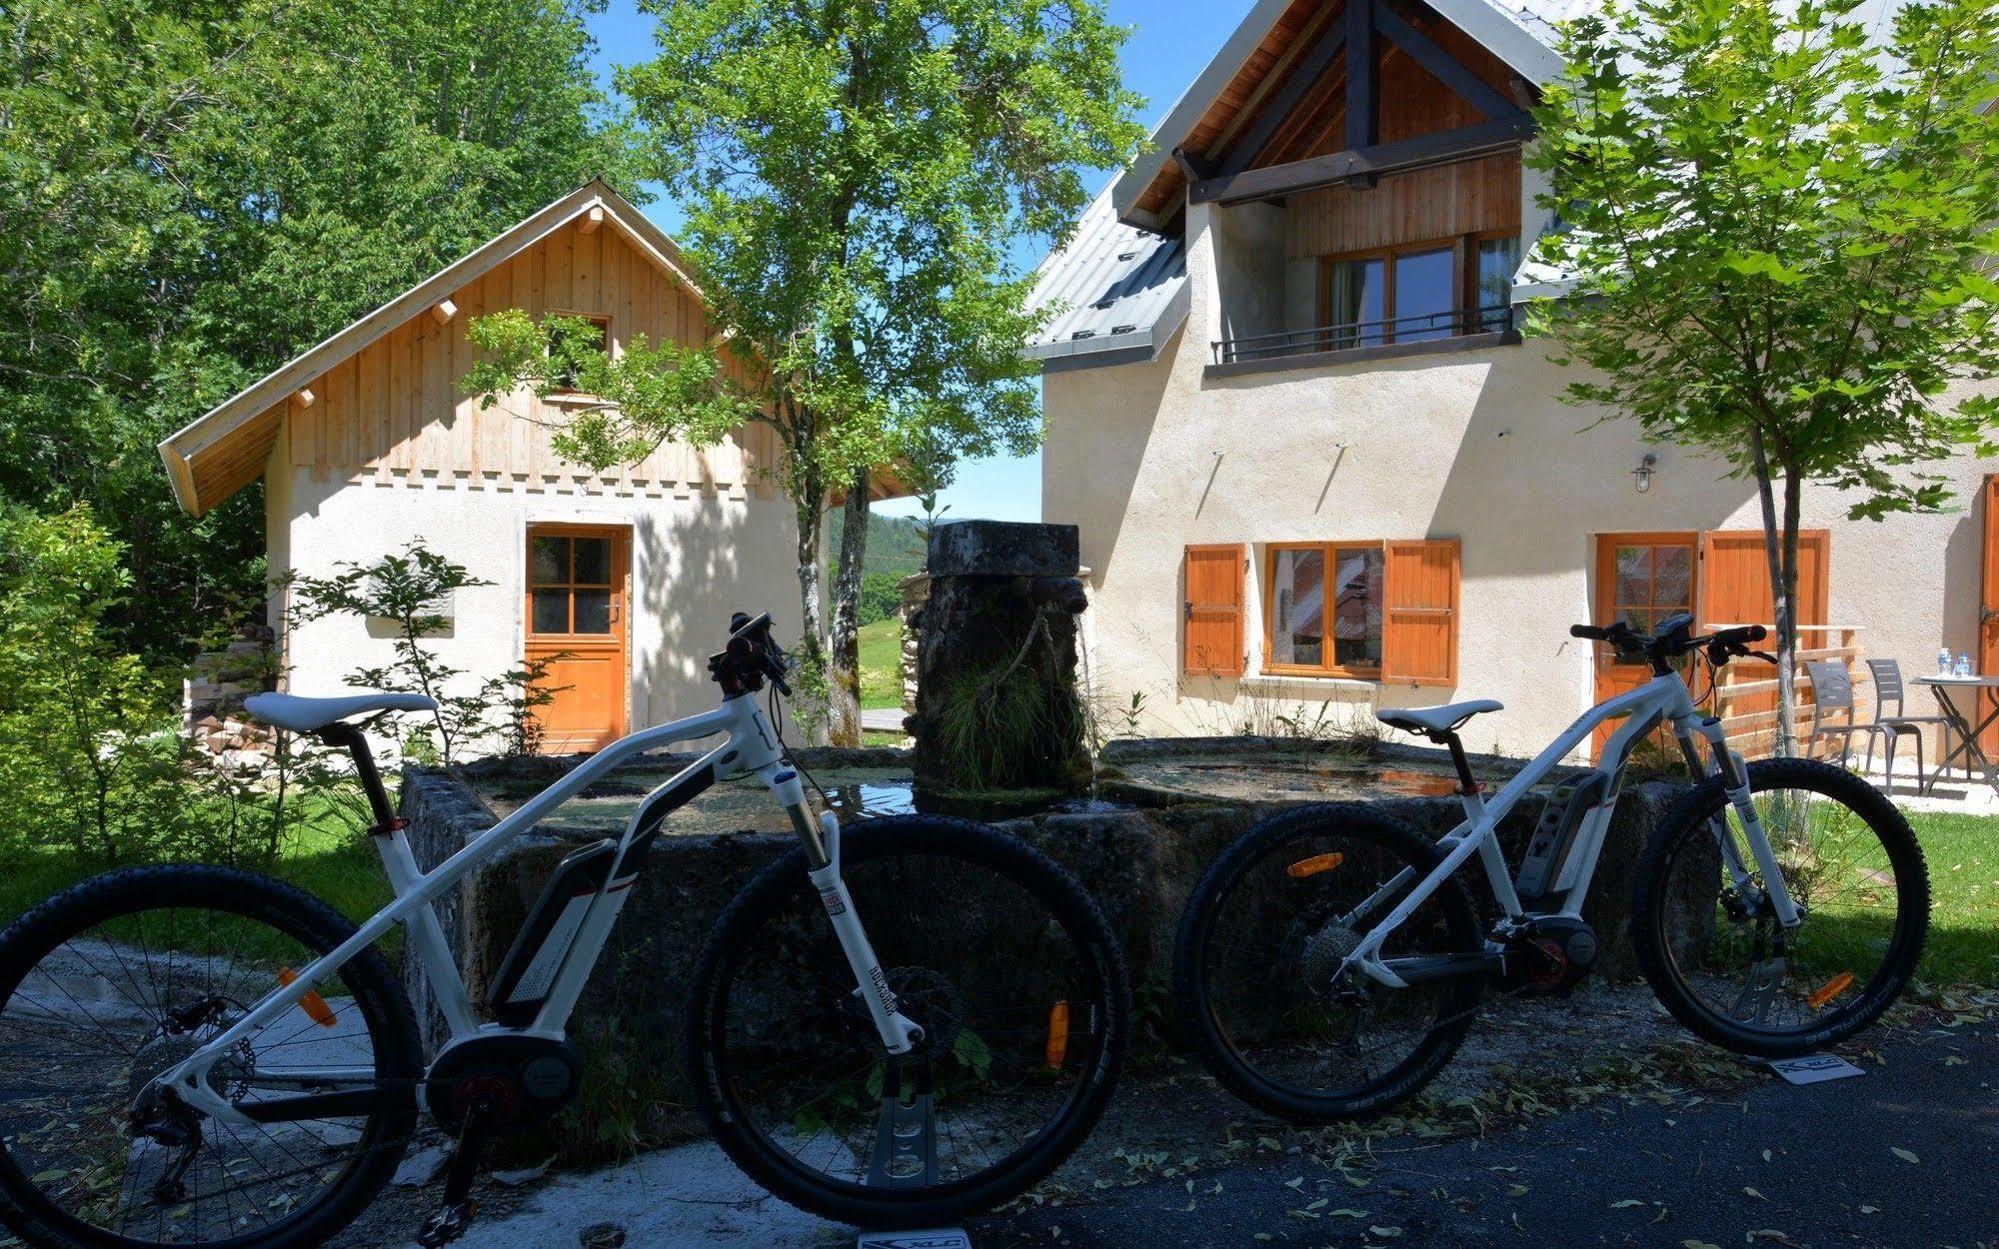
(881, 597)
(406, 589)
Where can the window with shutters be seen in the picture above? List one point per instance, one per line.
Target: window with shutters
(1366, 610)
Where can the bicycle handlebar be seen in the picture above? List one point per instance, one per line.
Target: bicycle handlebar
(750, 657)
(1674, 639)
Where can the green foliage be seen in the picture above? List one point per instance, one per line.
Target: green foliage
(407, 590)
(1781, 235)
(896, 544)
(191, 193)
(93, 767)
(1779, 232)
(881, 597)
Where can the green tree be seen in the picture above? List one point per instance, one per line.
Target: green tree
(1779, 237)
(856, 179)
(192, 191)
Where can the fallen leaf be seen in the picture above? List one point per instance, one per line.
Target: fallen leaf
(1517, 1190)
(1753, 1193)
(1626, 1204)
(1903, 1154)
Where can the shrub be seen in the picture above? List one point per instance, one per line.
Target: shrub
(881, 597)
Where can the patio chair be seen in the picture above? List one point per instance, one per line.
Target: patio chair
(1888, 689)
(1832, 690)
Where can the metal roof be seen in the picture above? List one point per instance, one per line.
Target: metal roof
(1119, 293)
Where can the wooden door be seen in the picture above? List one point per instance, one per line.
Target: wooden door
(1642, 578)
(1988, 607)
(578, 581)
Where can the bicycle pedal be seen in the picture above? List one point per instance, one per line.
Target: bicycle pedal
(447, 1224)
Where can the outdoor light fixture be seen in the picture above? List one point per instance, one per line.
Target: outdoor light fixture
(1646, 467)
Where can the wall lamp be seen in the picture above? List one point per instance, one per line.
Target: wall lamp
(1646, 468)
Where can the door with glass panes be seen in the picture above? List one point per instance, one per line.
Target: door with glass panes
(1642, 578)
(577, 588)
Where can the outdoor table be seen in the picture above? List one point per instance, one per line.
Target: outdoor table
(1967, 736)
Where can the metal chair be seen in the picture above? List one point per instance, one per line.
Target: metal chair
(1832, 690)
(1888, 689)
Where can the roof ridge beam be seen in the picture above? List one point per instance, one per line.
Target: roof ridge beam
(1442, 147)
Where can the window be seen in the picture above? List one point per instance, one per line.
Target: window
(1420, 292)
(1651, 581)
(565, 380)
(1492, 296)
(569, 584)
(1325, 609)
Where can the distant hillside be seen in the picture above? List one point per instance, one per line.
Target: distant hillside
(895, 543)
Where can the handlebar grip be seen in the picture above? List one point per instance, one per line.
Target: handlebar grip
(1756, 633)
(1589, 632)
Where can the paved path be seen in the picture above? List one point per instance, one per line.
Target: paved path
(1778, 1165)
(882, 719)
(1772, 1166)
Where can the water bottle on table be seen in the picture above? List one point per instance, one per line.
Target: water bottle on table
(1943, 661)
(1963, 668)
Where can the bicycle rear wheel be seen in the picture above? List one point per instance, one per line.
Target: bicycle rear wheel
(998, 953)
(1714, 952)
(113, 982)
(1258, 965)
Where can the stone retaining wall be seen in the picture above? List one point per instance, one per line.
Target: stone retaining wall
(1140, 864)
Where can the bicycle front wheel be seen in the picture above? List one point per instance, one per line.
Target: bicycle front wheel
(996, 952)
(1711, 945)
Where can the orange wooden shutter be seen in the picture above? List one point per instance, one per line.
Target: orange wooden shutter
(1735, 579)
(1213, 610)
(1988, 606)
(1419, 637)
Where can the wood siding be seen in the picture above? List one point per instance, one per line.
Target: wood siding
(393, 410)
(1443, 202)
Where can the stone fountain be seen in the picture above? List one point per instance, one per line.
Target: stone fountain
(999, 720)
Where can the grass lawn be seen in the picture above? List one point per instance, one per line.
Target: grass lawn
(1963, 855)
(881, 663)
(329, 860)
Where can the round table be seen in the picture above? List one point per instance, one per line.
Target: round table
(1967, 735)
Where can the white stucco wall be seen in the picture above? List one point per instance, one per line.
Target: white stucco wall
(694, 560)
(1148, 458)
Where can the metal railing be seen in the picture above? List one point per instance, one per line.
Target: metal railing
(1414, 328)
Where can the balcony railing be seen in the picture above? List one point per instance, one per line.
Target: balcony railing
(1415, 328)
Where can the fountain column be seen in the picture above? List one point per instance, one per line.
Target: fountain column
(999, 721)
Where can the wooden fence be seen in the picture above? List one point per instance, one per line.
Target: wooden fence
(1745, 698)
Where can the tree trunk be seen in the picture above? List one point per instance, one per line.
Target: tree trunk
(810, 506)
(1780, 548)
(843, 672)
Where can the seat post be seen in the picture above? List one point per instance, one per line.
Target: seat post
(1467, 783)
(350, 736)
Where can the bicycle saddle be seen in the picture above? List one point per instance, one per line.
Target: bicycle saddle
(304, 715)
(1436, 719)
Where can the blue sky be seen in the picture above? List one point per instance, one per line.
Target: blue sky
(1171, 41)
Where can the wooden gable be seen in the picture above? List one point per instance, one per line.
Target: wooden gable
(1289, 103)
(395, 408)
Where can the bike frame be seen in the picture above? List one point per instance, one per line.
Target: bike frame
(1664, 698)
(750, 747)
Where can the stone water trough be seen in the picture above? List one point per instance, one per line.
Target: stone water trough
(1167, 809)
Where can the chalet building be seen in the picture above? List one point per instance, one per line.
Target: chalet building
(365, 444)
(1311, 457)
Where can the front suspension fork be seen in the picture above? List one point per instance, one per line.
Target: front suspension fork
(1734, 775)
(820, 837)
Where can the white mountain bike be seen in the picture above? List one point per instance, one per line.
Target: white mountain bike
(199, 1055)
(1329, 964)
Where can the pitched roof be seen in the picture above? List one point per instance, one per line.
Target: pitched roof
(1121, 281)
(1121, 292)
(224, 449)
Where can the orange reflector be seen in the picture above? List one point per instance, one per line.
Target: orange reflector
(1316, 864)
(312, 1004)
(1058, 1034)
(1833, 988)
